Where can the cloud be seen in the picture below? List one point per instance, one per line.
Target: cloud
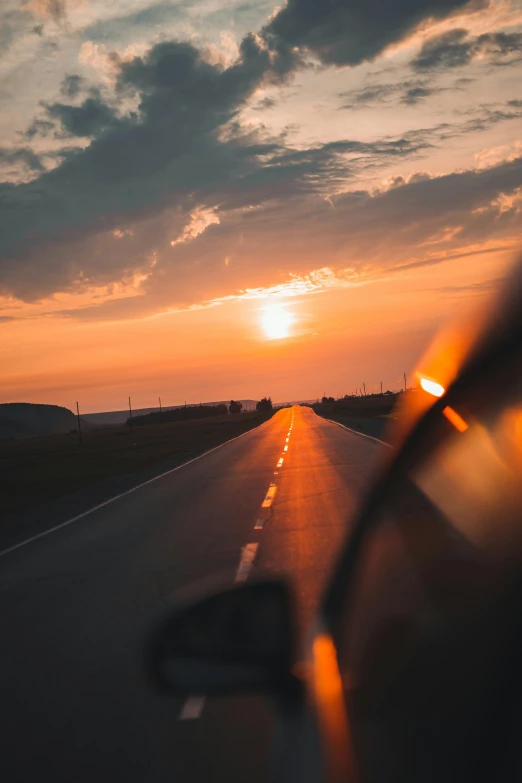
(265, 103)
(348, 33)
(359, 236)
(19, 164)
(47, 9)
(73, 85)
(456, 48)
(200, 220)
(89, 119)
(472, 288)
(410, 92)
(182, 152)
(13, 23)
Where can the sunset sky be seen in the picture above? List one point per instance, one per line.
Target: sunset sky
(213, 199)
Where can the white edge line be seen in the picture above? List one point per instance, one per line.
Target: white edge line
(356, 432)
(248, 555)
(123, 494)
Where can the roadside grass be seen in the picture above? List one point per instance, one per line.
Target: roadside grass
(45, 468)
(370, 416)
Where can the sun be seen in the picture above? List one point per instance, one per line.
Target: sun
(276, 322)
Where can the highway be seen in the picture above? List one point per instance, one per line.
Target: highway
(75, 606)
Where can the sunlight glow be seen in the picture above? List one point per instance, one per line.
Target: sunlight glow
(276, 322)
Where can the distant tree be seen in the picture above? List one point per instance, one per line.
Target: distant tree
(328, 399)
(235, 406)
(264, 405)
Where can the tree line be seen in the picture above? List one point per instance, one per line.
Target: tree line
(264, 405)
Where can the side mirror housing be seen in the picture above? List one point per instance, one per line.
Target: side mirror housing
(239, 639)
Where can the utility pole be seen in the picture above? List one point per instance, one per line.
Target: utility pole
(381, 387)
(130, 417)
(364, 387)
(79, 423)
(404, 381)
(159, 398)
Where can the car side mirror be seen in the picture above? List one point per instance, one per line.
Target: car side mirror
(236, 640)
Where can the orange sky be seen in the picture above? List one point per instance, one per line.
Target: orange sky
(337, 340)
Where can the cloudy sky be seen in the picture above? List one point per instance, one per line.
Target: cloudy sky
(171, 172)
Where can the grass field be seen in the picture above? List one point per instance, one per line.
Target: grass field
(369, 415)
(45, 468)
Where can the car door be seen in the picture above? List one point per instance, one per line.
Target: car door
(424, 610)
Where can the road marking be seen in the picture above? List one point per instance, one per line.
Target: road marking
(270, 495)
(248, 555)
(123, 494)
(259, 524)
(287, 440)
(286, 447)
(280, 463)
(192, 708)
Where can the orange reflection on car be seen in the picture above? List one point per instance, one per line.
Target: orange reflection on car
(331, 711)
(457, 421)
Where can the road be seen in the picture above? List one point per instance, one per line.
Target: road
(76, 604)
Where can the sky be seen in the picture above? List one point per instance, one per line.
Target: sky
(211, 199)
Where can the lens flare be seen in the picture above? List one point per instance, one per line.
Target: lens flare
(432, 387)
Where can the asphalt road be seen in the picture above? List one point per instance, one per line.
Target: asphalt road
(75, 606)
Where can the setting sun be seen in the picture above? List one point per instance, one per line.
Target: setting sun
(276, 322)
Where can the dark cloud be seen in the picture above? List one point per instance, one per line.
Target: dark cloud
(456, 48)
(266, 103)
(338, 32)
(39, 127)
(182, 145)
(20, 155)
(410, 92)
(414, 95)
(38, 30)
(89, 119)
(73, 85)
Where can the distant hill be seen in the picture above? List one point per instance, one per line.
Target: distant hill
(120, 417)
(25, 420)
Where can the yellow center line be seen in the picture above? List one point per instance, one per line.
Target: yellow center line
(270, 495)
